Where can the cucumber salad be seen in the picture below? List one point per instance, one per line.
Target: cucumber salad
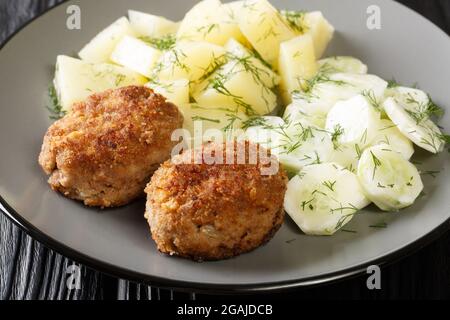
(345, 136)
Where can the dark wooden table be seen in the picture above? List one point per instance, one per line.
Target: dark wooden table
(28, 270)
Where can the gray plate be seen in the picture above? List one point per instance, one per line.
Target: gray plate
(408, 47)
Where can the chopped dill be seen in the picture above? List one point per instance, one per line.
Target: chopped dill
(198, 118)
(164, 43)
(376, 164)
(307, 203)
(295, 20)
(119, 78)
(54, 106)
(393, 84)
(338, 131)
(372, 99)
(380, 225)
(255, 122)
(431, 173)
(330, 184)
(207, 29)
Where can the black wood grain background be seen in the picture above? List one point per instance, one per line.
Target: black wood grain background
(28, 270)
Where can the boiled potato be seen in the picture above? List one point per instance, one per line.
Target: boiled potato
(209, 21)
(268, 77)
(99, 49)
(189, 60)
(297, 62)
(233, 85)
(321, 31)
(198, 120)
(136, 55)
(232, 9)
(264, 27)
(148, 25)
(76, 79)
(176, 91)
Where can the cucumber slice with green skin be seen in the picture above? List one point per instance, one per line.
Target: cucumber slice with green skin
(413, 121)
(323, 198)
(389, 135)
(354, 121)
(342, 64)
(390, 181)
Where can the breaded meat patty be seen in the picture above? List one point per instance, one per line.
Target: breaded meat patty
(214, 211)
(105, 150)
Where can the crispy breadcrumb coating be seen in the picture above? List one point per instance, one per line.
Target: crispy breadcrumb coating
(104, 151)
(211, 212)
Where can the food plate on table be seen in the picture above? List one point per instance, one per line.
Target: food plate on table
(351, 107)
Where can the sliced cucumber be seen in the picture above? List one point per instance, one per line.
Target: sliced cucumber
(354, 121)
(413, 121)
(323, 198)
(294, 113)
(324, 91)
(342, 64)
(388, 180)
(265, 131)
(301, 144)
(389, 135)
(347, 155)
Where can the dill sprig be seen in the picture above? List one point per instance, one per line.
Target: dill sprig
(393, 84)
(308, 85)
(376, 164)
(199, 118)
(372, 99)
(295, 20)
(256, 121)
(431, 173)
(207, 29)
(164, 43)
(54, 106)
(338, 131)
(329, 184)
(380, 225)
(423, 111)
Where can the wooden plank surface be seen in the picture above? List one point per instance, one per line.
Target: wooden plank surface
(28, 270)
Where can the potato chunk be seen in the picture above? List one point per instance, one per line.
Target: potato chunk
(136, 55)
(313, 23)
(268, 77)
(75, 79)
(199, 120)
(297, 63)
(210, 21)
(99, 49)
(235, 85)
(264, 28)
(189, 60)
(176, 91)
(320, 30)
(148, 25)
